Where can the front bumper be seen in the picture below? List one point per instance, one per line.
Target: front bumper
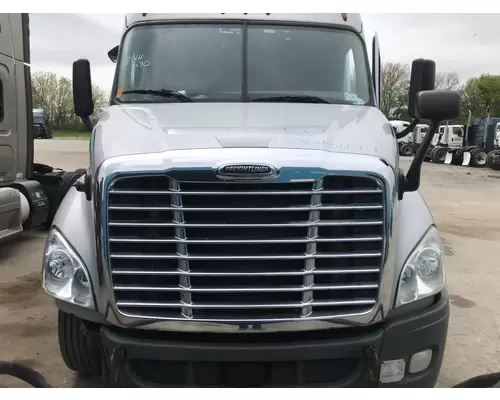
(328, 359)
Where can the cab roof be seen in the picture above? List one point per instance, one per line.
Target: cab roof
(352, 20)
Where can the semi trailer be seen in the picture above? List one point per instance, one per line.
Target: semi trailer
(244, 220)
(29, 192)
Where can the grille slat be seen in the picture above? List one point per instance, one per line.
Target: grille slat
(249, 241)
(240, 193)
(257, 225)
(245, 251)
(256, 209)
(244, 289)
(242, 306)
(253, 273)
(243, 257)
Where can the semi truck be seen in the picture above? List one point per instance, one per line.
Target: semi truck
(30, 192)
(41, 124)
(244, 220)
(409, 144)
(479, 147)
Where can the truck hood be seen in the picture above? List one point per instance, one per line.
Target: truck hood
(152, 128)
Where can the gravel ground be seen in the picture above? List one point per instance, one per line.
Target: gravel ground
(462, 200)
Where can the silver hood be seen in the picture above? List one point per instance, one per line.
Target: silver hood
(153, 128)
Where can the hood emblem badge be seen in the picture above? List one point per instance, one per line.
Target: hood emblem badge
(246, 171)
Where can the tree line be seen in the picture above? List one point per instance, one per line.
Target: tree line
(479, 95)
(54, 94)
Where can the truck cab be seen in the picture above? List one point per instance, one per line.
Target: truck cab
(449, 135)
(41, 124)
(244, 220)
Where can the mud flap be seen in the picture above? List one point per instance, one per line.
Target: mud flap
(466, 160)
(448, 158)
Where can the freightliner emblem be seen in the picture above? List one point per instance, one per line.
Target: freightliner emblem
(246, 171)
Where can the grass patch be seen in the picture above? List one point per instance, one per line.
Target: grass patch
(71, 135)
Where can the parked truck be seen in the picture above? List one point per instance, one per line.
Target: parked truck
(29, 192)
(41, 124)
(245, 220)
(479, 147)
(448, 138)
(409, 144)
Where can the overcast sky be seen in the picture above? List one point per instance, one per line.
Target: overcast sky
(466, 43)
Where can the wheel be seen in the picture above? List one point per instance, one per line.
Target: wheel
(493, 160)
(439, 155)
(428, 154)
(406, 150)
(478, 158)
(458, 158)
(80, 351)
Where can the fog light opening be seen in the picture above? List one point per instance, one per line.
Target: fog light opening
(420, 361)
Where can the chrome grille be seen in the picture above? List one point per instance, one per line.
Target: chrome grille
(232, 251)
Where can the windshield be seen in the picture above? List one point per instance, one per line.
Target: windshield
(212, 63)
(38, 117)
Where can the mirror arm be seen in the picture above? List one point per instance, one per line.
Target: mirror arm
(410, 128)
(412, 181)
(88, 123)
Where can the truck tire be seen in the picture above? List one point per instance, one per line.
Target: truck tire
(492, 160)
(80, 352)
(458, 158)
(478, 158)
(439, 155)
(406, 150)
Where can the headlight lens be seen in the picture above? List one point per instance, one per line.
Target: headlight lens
(64, 275)
(423, 274)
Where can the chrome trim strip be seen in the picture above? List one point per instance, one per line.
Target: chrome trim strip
(303, 289)
(256, 193)
(259, 209)
(243, 306)
(258, 273)
(310, 263)
(290, 225)
(234, 241)
(181, 247)
(126, 256)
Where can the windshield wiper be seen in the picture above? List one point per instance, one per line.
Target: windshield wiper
(162, 92)
(296, 99)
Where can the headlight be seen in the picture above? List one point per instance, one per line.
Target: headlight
(64, 275)
(423, 274)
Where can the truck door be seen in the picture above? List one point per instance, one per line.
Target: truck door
(376, 68)
(8, 101)
(457, 136)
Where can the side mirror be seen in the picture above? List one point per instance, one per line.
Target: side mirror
(113, 53)
(437, 105)
(423, 77)
(82, 91)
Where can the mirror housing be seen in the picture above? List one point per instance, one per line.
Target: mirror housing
(82, 91)
(113, 54)
(437, 105)
(423, 77)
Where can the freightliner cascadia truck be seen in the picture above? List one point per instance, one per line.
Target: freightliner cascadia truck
(244, 220)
